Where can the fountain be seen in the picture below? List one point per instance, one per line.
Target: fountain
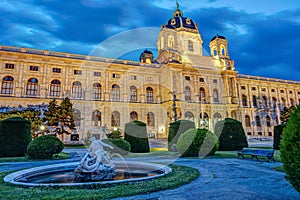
(96, 167)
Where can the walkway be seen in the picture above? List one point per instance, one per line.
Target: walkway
(221, 179)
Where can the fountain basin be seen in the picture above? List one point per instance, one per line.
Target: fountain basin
(62, 174)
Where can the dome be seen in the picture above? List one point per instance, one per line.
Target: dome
(218, 36)
(178, 21)
(146, 56)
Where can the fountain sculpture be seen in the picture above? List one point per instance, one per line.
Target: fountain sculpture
(96, 165)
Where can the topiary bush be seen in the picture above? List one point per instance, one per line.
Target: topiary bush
(290, 149)
(121, 146)
(15, 135)
(136, 135)
(176, 129)
(197, 143)
(231, 135)
(44, 147)
(277, 136)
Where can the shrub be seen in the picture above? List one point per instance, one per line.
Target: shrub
(176, 129)
(121, 146)
(115, 134)
(44, 147)
(231, 135)
(15, 135)
(290, 148)
(136, 135)
(197, 143)
(277, 135)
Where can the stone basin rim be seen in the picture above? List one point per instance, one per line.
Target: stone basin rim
(11, 178)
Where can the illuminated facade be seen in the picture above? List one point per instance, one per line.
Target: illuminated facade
(204, 89)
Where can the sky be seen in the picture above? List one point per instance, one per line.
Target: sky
(263, 35)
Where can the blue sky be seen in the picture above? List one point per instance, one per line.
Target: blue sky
(263, 35)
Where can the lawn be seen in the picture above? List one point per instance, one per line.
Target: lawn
(180, 175)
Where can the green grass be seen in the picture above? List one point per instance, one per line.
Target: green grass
(26, 159)
(179, 176)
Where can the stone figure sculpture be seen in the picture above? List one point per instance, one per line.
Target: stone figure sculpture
(96, 165)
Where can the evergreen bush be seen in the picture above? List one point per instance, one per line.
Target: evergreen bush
(231, 135)
(290, 149)
(176, 129)
(197, 143)
(44, 147)
(277, 136)
(136, 135)
(121, 146)
(15, 135)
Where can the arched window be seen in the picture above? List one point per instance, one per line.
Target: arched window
(215, 95)
(96, 118)
(55, 88)
(32, 87)
(115, 93)
(190, 46)
(77, 117)
(215, 52)
(96, 91)
(222, 50)
(150, 119)
(274, 103)
(115, 118)
(283, 101)
(254, 101)
(204, 120)
(244, 100)
(133, 116)
(189, 116)
(247, 121)
(7, 86)
(170, 41)
(257, 121)
(268, 119)
(76, 90)
(265, 101)
(217, 117)
(292, 102)
(133, 93)
(149, 94)
(162, 42)
(202, 98)
(187, 93)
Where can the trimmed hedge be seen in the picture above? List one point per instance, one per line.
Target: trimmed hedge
(290, 149)
(136, 135)
(44, 147)
(176, 129)
(197, 143)
(15, 135)
(278, 135)
(121, 146)
(231, 135)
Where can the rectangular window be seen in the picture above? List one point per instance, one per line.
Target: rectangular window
(115, 75)
(9, 66)
(77, 72)
(201, 80)
(132, 77)
(281, 91)
(34, 68)
(97, 73)
(215, 81)
(291, 92)
(249, 133)
(273, 90)
(187, 78)
(57, 70)
(243, 87)
(149, 79)
(253, 88)
(263, 89)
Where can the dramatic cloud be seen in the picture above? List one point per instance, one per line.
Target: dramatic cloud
(262, 35)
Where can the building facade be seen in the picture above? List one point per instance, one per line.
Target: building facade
(181, 83)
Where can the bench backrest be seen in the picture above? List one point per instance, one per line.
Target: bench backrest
(258, 151)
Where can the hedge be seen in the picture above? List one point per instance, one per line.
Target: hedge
(136, 135)
(278, 135)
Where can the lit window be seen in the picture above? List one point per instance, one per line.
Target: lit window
(32, 87)
(7, 86)
(55, 88)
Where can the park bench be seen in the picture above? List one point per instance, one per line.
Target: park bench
(254, 153)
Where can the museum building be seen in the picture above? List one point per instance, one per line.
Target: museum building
(181, 83)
